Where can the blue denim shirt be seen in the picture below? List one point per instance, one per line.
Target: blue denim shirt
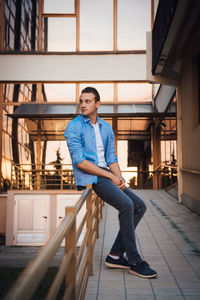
(81, 142)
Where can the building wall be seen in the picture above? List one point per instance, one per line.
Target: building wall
(189, 124)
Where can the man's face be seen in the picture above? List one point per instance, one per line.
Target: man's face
(88, 106)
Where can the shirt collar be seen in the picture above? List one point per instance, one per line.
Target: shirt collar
(87, 120)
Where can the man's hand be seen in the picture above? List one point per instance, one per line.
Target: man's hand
(122, 185)
(118, 182)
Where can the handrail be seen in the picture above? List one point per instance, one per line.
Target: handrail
(164, 166)
(195, 172)
(30, 278)
(27, 284)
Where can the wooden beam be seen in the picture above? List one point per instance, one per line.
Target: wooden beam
(77, 13)
(156, 155)
(56, 15)
(1, 85)
(152, 14)
(115, 25)
(72, 68)
(77, 96)
(1, 125)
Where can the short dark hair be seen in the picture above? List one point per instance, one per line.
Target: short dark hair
(90, 89)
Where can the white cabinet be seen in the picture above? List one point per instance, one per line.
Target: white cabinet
(32, 216)
(31, 219)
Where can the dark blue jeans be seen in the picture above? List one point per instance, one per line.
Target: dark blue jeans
(131, 209)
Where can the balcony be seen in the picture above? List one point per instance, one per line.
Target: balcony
(174, 23)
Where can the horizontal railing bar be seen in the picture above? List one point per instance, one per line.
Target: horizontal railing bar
(53, 291)
(79, 230)
(84, 284)
(82, 199)
(27, 283)
(195, 172)
(94, 239)
(80, 253)
(68, 292)
(83, 267)
(94, 212)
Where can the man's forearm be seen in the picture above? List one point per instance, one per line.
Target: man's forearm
(91, 168)
(115, 169)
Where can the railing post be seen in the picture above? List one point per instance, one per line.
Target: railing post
(89, 228)
(101, 206)
(70, 244)
(61, 177)
(97, 215)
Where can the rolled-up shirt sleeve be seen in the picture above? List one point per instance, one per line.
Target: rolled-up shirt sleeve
(112, 157)
(74, 143)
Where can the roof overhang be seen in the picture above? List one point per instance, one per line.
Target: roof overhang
(63, 111)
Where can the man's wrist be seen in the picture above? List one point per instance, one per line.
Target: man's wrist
(122, 179)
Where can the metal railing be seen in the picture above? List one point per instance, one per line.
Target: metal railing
(164, 16)
(76, 265)
(42, 176)
(194, 172)
(165, 174)
(37, 177)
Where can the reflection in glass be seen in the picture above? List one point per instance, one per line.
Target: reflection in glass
(96, 25)
(60, 92)
(133, 22)
(52, 147)
(61, 34)
(60, 7)
(6, 168)
(106, 90)
(134, 92)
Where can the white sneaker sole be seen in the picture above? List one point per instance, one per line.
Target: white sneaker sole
(113, 266)
(141, 275)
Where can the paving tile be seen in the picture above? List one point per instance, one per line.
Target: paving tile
(111, 284)
(192, 297)
(160, 291)
(90, 297)
(111, 291)
(191, 292)
(142, 284)
(169, 298)
(111, 297)
(139, 291)
(140, 297)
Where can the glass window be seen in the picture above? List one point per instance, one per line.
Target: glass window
(134, 92)
(7, 141)
(52, 147)
(6, 168)
(59, 6)
(96, 25)
(133, 22)
(106, 90)
(60, 92)
(61, 34)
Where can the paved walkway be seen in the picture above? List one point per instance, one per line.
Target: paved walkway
(168, 238)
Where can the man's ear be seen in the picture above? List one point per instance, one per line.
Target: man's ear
(98, 103)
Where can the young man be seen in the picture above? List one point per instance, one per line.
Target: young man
(91, 144)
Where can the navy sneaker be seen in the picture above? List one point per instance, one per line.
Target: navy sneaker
(120, 263)
(142, 269)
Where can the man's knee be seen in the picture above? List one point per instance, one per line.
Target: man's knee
(128, 205)
(143, 208)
